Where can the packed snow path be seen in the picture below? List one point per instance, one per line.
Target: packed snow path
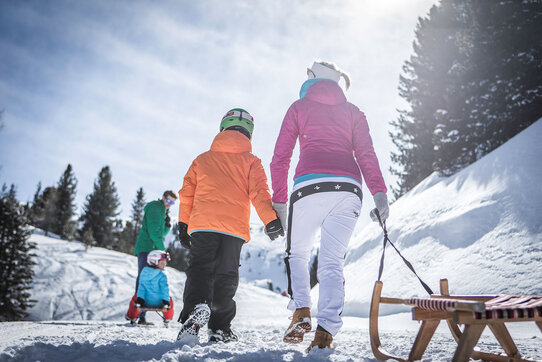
(260, 340)
(72, 285)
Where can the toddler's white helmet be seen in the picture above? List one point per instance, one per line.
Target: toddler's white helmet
(156, 255)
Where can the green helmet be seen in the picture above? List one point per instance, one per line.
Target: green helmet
(238, 119)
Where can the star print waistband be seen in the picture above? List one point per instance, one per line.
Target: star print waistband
(325, 187)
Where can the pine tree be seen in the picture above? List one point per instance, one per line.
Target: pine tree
(127, 234)
(43, 209)
(100, 210)
(63, 224)
(16, 262)
(179, 257)
(138, 207)
(36, 210)
(473, 82)
(88, 238)
(455, 133)
(126, 237)
(423, 85)
(495, 90)
(118, 228)
(1, 127)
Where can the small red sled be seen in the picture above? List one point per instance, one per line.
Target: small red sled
(165, 313)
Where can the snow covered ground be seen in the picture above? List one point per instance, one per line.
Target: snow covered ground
(83, 296)
(481, 229)
(261, 340)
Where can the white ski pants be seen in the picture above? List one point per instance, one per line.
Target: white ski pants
(335, 213)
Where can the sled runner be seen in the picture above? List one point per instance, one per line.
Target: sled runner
(475, 312)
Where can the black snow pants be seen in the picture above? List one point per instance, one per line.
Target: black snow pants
(212, 277)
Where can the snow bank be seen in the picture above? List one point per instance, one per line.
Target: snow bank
(481, 229)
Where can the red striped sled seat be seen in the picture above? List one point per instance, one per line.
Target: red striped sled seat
(511, 307)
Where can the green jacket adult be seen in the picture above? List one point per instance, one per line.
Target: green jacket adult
(153, 228)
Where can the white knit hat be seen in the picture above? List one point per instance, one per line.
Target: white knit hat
(327, 70)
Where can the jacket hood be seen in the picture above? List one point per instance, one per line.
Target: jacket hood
(231, 142)
(326, 92)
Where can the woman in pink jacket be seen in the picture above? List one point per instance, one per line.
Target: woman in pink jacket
(335, 145)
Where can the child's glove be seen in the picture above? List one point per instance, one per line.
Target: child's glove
(140, 303)
(184, 238)
(274, 229)
(165, 304)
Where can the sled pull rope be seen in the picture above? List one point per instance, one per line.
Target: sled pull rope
(161, 315)
(386, 240)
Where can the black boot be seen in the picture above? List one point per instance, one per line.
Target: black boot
(222, 335)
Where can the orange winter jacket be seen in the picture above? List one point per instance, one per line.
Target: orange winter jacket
(219, 186)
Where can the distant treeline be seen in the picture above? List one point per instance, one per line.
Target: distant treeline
(53, 210)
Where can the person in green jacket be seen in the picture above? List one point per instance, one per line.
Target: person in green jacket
(155, 226)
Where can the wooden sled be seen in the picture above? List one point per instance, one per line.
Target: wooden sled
(475, 312)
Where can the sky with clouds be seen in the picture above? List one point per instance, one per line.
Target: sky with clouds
(141, 86)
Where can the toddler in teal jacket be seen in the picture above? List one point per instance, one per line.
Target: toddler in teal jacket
(153, 289)
(153, 286)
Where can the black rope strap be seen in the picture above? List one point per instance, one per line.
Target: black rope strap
(386, 240)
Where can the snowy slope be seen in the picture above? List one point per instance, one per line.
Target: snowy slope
(481, 229)
(72, 283)
(262, 261)
(88, 292)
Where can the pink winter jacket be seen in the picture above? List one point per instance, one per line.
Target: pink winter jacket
(331, 132)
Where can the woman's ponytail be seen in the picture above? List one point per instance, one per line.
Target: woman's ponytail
(338, 73)
(346, 79)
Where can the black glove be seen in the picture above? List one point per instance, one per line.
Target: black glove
(274, 229)
(184, 238)
(165, 304)
(168, 220)
(140, 303)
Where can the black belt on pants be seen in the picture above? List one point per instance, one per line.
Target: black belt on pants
(325, 187)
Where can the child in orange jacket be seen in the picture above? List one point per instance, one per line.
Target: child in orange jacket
(214, 213)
